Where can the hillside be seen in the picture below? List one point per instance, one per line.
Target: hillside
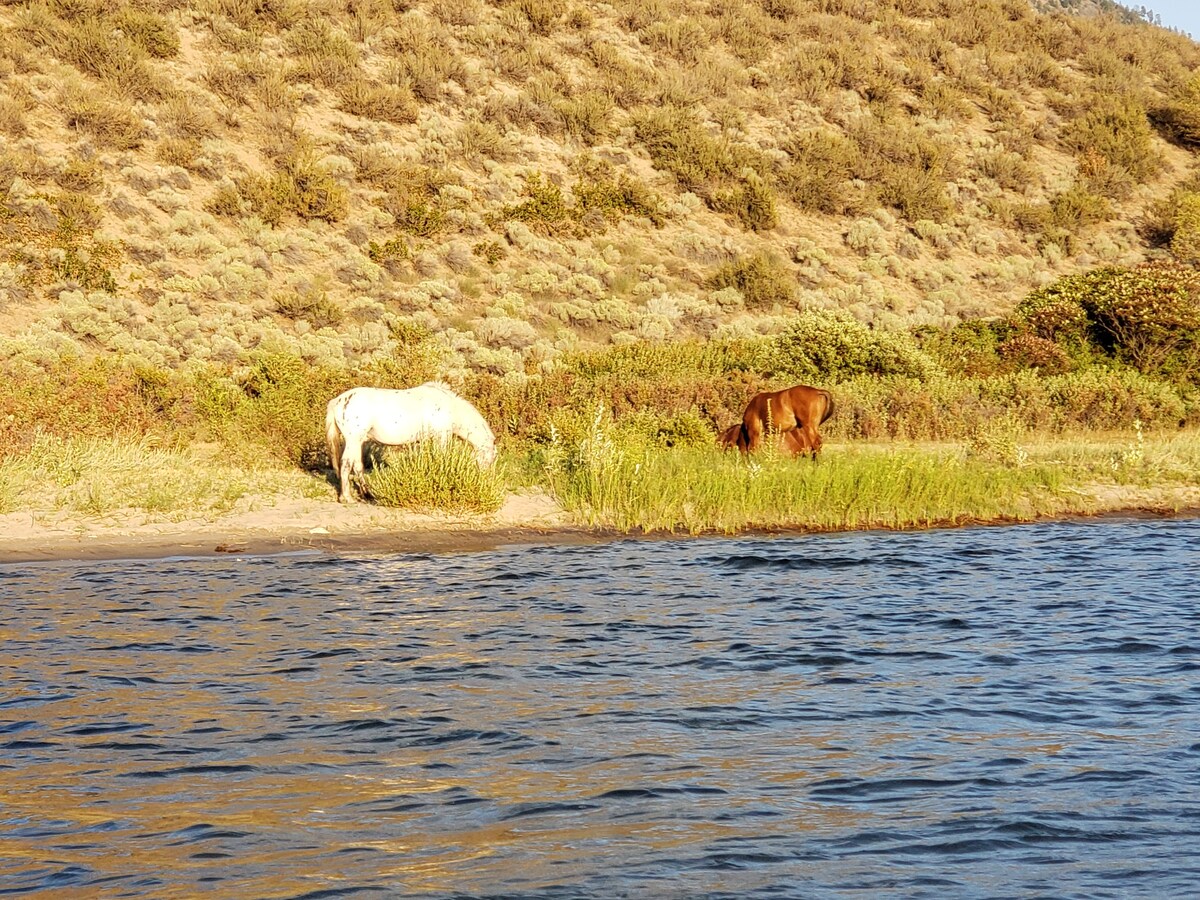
(190, 181)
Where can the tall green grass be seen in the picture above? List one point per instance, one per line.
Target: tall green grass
(698, 490)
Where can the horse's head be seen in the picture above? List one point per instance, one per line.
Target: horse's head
(485, 453)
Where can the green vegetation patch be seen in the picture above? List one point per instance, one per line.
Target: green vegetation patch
(763, 279)
(96, 476)
(730, 177)
(426, 476)
(300, 186)
(706, 490)
(601, 197)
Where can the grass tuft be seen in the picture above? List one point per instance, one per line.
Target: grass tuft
(426, 477)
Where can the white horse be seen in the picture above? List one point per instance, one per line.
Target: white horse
(431, 411)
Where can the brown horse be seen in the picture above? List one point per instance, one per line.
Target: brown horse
(791, 443)
(800, 408)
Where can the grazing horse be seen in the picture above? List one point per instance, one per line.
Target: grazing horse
(791, 443)
(429, 411)
(800, 407)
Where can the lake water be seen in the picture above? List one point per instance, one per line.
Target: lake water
(974, 713)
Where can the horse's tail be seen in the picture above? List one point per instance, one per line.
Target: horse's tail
(828, 407)
(334, 439)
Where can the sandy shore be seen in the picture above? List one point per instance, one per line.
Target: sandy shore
(281, 525)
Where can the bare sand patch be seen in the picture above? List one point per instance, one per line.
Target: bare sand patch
(264, 525)
(278, 524)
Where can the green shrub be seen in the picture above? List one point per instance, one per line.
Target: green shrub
(79, 175)
(1092, 398)
(323, 55)
(311, 304)
(98, 47)
(1180, 118)
(1009, 170)
(111, 124)
(830, 346)
(70, 398)
(731, 178)
(421, 218)
(818, 170)
(906, 168)
(969, 348)
(490, 251)
(678, 144)
(751, 200)
(1064, 216)
(148, 30)
(383, 102)
(542, 15)
(544, 209)
(1029, 351)
(181, 152)
(426, 476)
(68, 248)
(1150, 317)
(1099, 399)
(683, 429)
(300, 186)
(763, 279)
(1078, 208)
(392, 249)
(1185, 222)
(1118, 130)
(682, 38)
(1057, 313)
(586, 116)
(477, 138)
(598, 190)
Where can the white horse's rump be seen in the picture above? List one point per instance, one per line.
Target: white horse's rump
(431, 411)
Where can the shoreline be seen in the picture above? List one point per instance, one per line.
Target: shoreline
(530, 519)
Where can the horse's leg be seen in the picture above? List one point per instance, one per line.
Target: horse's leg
(812, 440)
(752, 428)
(742, 442)
(334, 443)
(351, 466)
(815, 419)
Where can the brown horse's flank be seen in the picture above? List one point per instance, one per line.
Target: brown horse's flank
(799, 408)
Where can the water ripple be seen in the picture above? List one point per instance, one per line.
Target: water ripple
(988, 712)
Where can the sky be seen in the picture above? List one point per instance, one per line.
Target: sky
(1181, 14)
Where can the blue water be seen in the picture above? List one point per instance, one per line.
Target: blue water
(1006, 712)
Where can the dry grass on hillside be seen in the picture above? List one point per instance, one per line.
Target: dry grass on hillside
(194, 180)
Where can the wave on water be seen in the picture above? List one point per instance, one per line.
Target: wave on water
(985, 712)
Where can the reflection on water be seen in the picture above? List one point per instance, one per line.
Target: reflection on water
(995, 711)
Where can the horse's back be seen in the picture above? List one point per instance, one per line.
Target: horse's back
(399, 416)
(807, 398)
